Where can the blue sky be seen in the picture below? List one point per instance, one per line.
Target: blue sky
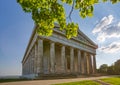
(16, 27)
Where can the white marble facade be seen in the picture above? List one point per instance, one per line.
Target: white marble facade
(57, 55)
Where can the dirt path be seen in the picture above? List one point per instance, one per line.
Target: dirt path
(49, 82)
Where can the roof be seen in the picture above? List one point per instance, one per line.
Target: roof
(80, 36)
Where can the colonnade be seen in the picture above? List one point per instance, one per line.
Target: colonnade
(86, 62)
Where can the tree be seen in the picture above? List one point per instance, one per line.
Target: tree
(103, 68)
(111, 69)
(117, 67)
(47, 12)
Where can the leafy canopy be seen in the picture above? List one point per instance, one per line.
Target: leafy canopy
(47, 12)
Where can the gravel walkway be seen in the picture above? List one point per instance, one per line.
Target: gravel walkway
(49, 82)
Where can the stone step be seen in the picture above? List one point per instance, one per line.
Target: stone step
(56, 76)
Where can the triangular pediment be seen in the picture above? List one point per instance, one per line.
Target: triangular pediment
(80, 37)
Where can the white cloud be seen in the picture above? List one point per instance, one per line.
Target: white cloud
(105, 21)
(101, 37)
(105, 29)
(109, 32)
(118, 24)
(112, 48)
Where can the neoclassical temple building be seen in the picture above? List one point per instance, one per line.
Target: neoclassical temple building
(58, 55)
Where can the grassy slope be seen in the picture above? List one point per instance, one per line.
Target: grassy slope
(80, 83)
(113, 81)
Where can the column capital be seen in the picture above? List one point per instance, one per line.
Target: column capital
(39, 37)
(62, 44)
(52, 41)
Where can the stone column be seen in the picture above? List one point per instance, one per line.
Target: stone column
(35, 61)
(87, 62)
(63, 59)
(30, 63)
(52, 57)
(79, 63)
(94, 64)
(26, 71)
(90, 64)
(26, 67)
(40, 57)
(82, 63)
(22, 69)
(72, 59)
(23, 72)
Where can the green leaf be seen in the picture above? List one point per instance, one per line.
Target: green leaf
(46, 12)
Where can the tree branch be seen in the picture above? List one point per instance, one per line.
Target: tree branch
(69, 16)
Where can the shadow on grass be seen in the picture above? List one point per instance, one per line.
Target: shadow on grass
(118, 77)
(12, 80)
(112, 80)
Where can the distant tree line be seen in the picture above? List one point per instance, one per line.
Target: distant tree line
(113, 69)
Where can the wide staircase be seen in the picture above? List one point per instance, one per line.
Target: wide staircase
(56, 76)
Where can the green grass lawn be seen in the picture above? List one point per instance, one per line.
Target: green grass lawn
(11, 80)
(113, 80)
(80, 83)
